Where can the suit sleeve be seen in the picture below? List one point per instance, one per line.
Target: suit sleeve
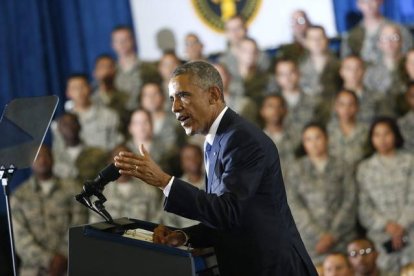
(243, 165)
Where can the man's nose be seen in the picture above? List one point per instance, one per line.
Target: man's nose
(176, 106)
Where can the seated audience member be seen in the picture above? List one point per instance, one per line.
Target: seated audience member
(235, 30)
(336, 264)
(362, 39)
(294, 50)
(130, 71)
(386, 195)
(321, 194)
(319, 67)
(130, 197)
(191, 159)
(347, 137)
(105, 93)
(193, 47)
(248, 71)
(72, 149)
(243, 105)
(273, 114)
(43, 208)
(166, 65)
(141, 133)
(363, 256)
(371, 103)
(165, 126)
(99, 125)
(406, 123)
(384, 76)
(301, 107)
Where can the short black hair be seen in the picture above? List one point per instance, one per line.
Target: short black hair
(349, 92)
(122, 28)
(83, 76)
(104, 56)
(392, 124)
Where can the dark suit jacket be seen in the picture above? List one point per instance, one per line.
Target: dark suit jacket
(244, 214)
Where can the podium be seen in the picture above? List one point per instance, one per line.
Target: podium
(99, 252)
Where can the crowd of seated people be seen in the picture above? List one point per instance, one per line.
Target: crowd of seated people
(343, 123)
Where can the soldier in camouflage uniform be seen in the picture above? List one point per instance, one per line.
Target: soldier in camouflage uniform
(71, 149)
(371, 103)
(386, 195)
(192, 165)
(106, 94)
(236, 100)
(318, 67)
(348, 138)
(99, 125)
(273, 113)
(302, 108)
(130, 197)
(141, 132)
(385, 75)
(406, 123)
(236, 30)
(362, 39)
(43, 209)
(322, 197)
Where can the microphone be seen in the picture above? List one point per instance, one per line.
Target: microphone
(108, 174)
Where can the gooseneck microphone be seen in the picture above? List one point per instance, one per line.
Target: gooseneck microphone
(108, 174)
(95, 188)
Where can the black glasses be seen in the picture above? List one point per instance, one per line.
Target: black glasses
(360, 252)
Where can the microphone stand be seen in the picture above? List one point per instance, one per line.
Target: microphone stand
(6, 176)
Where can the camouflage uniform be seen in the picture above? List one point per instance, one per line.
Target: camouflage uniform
(130, 82)
(230, 61)
(325, 82)
(166, 130)
(132, 199)
(406, 125)
(322, 202)
(41, 221)
(286, 145)
(355, 42)
(174, 220)
(379, 78)
(100, 127)
(350, 149)
(371, 104)
(244, 106)
(386, 193)
(117, 101)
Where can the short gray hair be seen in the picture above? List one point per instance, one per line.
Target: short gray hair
(202, 73)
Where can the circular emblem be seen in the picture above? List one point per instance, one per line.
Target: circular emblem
(215, 12)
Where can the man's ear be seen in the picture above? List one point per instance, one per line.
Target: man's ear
(215, 95)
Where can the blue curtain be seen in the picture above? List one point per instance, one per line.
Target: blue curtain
(347, 14)
(41, 43)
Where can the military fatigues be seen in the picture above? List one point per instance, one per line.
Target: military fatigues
(300, 113)
(358, 43)
(132, 199)
(165, 130)
(100, 127)
(386, 193)
(371, 104)
(351, 148)
(174, 220)
(244, 106)
(322, 202)
(286, 145)
(41, 221)
(406, 124)
(324, 83)
(379, 78)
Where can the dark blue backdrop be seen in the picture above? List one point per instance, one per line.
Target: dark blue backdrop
(42, 42)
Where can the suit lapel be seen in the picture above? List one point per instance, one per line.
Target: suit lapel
(215, 148)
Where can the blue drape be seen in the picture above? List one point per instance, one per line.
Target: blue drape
(42, 42)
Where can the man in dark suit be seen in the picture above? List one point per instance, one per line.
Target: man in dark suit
(244, 213)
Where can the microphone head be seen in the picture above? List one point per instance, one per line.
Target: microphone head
(109, 173)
